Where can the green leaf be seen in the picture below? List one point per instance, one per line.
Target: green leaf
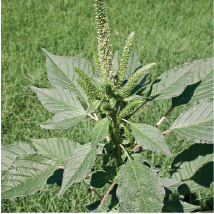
(65, 119)
(196, 123)
(133, 65)
(134, 97)
(172, 83)
(116, 62)
(61, 73)
(170, 185)
(179, 206)
(28, 174)
(100, 178)
(205, 89)
(139, 189)
(194, 166)
(78, 166)
(99, 131)
(57, 99)
(10, 152)
(55, 148)
(93, 106)
(192, 93)
(150, 138)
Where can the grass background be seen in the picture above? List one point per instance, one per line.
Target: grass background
(168, 32)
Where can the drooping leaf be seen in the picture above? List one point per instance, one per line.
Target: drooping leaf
(133, 65)
(28, 174)
(10, 152)
(77, 166)
(57, 99)
(139, 189)
(99, 131)
(150, 138)
(172, 83)
(170, 185)
(179, 206)
(61, 73)
(196, 123)
(65, 119)
(55, 148)
(194, 166)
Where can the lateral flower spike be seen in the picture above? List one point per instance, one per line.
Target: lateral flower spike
(125, 57)
(129, 109)
(103, 37)
(91, 91)
(127, 88)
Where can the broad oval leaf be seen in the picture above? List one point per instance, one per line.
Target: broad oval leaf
(55, 148)
(196, 123)
(65, 119)
(28, 174)
(194, 166)
(139, 189)
(149, 137)
(61, 73)
(172, 83)
(77, 166)
(57, 99)
(99, 131)
(10, 152)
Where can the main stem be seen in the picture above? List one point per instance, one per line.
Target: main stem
(116, 140)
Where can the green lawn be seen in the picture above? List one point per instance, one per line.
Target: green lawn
(168, 32)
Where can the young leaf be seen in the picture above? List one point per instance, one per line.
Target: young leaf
(99, 131)
(139, 189)
(55, 148)
(179, 206)
(93, 106)
(57, 99)
(172, 83)
(65, 119)
(194, 166)
(61, 73)
(196, 123)
(10, 152)
(150, 138)
(78, 166)
(116, 62)
(133, 65)
(28, 174)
